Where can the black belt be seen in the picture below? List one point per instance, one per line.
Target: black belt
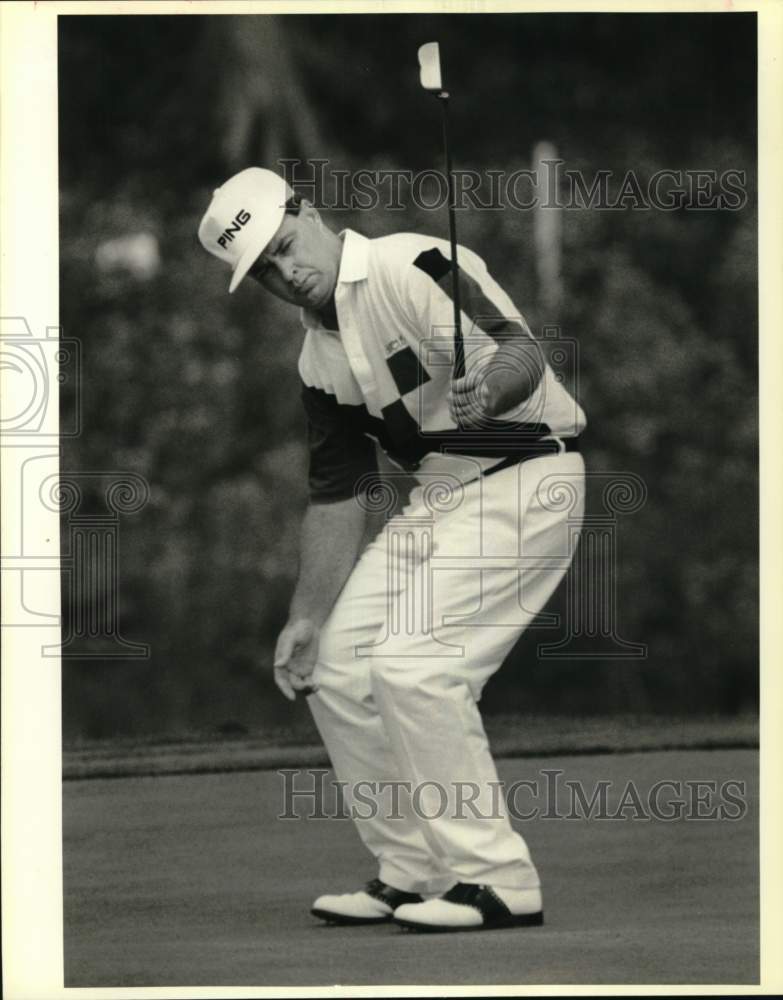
(534, 451)
(517, 447)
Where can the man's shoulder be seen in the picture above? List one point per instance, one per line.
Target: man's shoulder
(402, 241)
(404, 248)
(397, 252)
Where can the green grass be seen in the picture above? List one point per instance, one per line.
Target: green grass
(195, 881)
(299, 745)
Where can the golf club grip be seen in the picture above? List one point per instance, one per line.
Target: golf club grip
(459, 347)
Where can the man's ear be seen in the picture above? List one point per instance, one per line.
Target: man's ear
(308, 211)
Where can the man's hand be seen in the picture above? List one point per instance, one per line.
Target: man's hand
(507, 381)
(470, 400)
(295, 656)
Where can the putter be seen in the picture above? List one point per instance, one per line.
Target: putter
(432, 80)
(505, 433)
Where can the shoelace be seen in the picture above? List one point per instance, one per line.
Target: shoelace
(374, 886)
(464, 893)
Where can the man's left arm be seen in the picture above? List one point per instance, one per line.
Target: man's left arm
(497, 380)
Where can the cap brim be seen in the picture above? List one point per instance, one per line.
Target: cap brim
(251, 255)
(246, 261)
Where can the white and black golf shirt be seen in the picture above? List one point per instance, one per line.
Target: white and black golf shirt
(384, 376)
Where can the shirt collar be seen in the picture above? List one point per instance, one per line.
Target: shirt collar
(353, 263)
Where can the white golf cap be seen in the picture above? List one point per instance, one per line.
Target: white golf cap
(243, 216)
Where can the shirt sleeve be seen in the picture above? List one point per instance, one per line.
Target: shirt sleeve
(340, 452)
(485, 307)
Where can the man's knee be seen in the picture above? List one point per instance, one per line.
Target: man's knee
(402, 678)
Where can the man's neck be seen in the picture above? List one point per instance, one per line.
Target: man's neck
(328, 315)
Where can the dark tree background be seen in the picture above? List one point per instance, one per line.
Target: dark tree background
(197, 391)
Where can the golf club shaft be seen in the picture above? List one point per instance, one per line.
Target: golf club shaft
(459, 348)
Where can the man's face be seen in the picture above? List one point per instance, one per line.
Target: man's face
(301, 262)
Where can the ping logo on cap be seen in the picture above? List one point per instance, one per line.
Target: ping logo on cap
(227, 236)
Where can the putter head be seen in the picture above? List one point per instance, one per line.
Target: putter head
(429, 67)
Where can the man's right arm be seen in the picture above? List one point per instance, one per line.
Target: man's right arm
(332, 531)
(331, 538)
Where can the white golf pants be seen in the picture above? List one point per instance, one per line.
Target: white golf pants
(428, 614)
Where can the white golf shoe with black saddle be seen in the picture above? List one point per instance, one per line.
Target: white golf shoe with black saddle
(467, 907)
(375, 904)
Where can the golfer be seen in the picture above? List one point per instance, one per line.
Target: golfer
(393, 644)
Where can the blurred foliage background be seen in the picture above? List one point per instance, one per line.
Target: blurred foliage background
(196, 391)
